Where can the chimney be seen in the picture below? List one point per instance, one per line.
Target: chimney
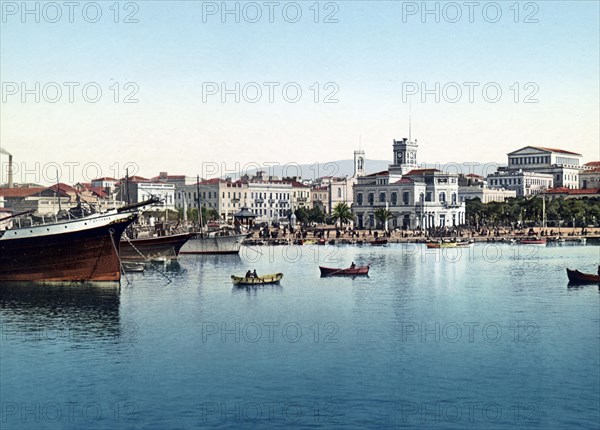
(10, 171)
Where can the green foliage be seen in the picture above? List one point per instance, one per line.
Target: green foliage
(315, 214)
(382, 215)
(342, 213)
(529, 211)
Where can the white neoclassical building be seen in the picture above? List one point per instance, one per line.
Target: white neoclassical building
(417, 198)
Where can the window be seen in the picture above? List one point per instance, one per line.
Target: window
(371, 198)
(381, 197)
(406, 197)
(394, 199)
(429, 196)
(339, 192)
(442, 197)
(359, 198)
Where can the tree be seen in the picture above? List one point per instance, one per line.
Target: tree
(382, 215)
(342, 213)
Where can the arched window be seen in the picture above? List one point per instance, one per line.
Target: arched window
(339, 192)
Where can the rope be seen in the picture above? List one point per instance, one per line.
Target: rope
(147, 260)
(112, 239)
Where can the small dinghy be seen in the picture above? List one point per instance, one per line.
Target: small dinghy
(133, 266)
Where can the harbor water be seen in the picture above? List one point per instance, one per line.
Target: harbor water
(486, 337)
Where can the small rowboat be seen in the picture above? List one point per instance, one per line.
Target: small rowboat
(379, 242)
(435, 245)
(533, 241)
(350, 271)
(577, 277)
(260, 280)
(464, 244)
(133, 266)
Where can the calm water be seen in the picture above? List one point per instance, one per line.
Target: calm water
(491, 338)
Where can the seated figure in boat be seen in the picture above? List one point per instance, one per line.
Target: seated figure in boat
(352, 266)
(248, 274)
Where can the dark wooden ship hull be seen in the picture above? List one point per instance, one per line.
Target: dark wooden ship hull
(166, 247)
(83, 250)
(350, 271)
(577, 277)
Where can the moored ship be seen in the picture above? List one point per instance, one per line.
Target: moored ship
(214, 243)
(154, 248)
(81, 250)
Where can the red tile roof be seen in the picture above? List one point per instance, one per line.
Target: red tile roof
(20, 192)
(63, 188)
(6, 210)
(473, 175)
(593, 164)
(404, 181)
(382, 173)
(422, 171)
(570, 191)
(562, 151)
(106, 178)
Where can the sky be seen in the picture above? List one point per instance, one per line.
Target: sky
(192, 87)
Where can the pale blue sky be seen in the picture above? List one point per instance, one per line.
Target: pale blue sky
(369, 54)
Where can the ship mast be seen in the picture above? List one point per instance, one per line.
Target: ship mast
(199, 207)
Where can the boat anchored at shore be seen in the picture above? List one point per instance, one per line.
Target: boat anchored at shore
(220, 242)
(153, 248)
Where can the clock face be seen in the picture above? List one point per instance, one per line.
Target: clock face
(400, 156)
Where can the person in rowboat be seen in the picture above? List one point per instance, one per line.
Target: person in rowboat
(254, 275)
(248, 274)
(352, 266)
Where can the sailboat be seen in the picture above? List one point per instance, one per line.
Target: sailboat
(223, 241)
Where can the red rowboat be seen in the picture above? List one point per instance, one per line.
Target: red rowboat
(350, 271)
(577, 277)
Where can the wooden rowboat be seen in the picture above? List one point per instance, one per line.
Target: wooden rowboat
(379, 242)
(260, 280)
(533, 241)
(435, 245)
(577, 277)
(350, 271)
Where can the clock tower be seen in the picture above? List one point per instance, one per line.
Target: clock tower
(405, 156)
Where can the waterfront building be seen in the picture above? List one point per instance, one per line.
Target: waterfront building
(43, 201)
(474, 186)
(590, 177)
(339, 189)
(137, 189)
(109, 185)
(522, 182)
(319, 197)
(417, 198)
(563, 165)
(271, 199)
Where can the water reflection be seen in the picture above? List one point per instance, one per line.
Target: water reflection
(77, 313)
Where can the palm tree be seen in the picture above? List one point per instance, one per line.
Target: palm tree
(342, 213)
(382, 215)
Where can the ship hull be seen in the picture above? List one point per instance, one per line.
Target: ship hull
(84, 250)
(153, 248)
(214, 245)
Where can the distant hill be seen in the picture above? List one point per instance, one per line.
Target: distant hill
(346, 168)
